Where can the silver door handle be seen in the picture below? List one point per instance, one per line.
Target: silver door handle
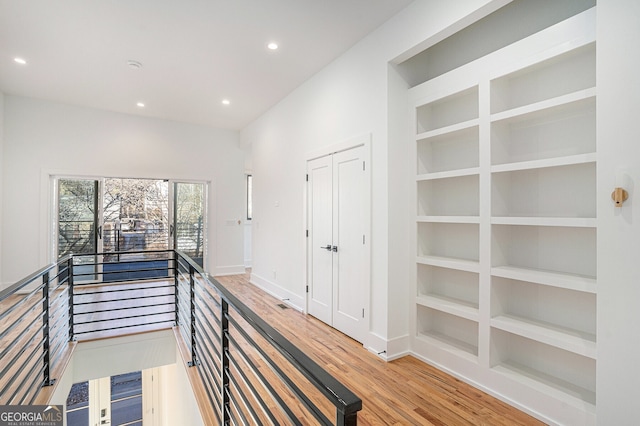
(327, 247)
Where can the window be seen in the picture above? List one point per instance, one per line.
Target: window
(249, 197)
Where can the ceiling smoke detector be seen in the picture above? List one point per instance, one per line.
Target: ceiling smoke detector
(135, 65)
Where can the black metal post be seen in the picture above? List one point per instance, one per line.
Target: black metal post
(192, 287)
(224, 359)
(176, 291)
(350, 419)
(70, 295)
(45, 328)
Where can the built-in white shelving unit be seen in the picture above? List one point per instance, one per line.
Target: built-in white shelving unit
(505, 220)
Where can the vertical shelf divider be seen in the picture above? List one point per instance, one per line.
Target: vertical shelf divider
(484, 285)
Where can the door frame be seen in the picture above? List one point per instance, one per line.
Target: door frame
(205, 216)
(365, 142)
(49, 180)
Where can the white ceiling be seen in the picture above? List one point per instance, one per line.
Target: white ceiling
(194, 53)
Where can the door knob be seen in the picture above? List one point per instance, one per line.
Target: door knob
(327, 247)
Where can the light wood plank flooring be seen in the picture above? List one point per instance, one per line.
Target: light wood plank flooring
(406, 391)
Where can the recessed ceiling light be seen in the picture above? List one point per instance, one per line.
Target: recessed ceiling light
(272, 46)
(226, 102)
(20, 61)
(140, 104)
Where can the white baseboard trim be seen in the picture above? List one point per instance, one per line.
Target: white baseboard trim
(398, 347)
(388, 349)
(229, 270)
(293, 300)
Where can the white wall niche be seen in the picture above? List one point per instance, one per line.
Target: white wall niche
(449, 240)
(560, 131)
(454, 333)
(456, 196)
(557, 316)
(564, 191)
(448, 284)
(453, 109)
(448, 151)
(565, 375)
(560, 75)
(564, 250)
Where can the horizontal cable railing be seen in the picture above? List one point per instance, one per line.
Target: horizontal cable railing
(251, 373)
(34, 332)
(131, 290)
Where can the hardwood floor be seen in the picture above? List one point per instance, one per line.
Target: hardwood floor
(406, 391)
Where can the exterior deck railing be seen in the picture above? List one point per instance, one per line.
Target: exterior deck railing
(251, 373)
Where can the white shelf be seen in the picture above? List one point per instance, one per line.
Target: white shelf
(550, 385)
(448, 112)
(565, 192)
(506, 221)
(448, 174)
(554, 279)
(549, 134)
(570, 376)
(563, 250)
(571, 222)
(457, 149)
(448, 219)
(456, 332)
(530, 109)
(448, 240)
(451, 263)
(570, 340)
(442, 131)
(545, 163)
(456, 196)
(449, 305)
(446, 286)
(453, 346)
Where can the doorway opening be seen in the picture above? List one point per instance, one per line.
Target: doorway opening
(109, 400)
(338, 251)
(119, 217)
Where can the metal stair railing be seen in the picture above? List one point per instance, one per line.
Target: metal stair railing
(251, 373)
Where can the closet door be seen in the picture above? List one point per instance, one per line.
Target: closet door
(336, 243)
(320, 240)
(348, 242)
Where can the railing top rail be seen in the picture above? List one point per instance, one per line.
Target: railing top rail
(345, 401)
(191, 262)
(30, 278)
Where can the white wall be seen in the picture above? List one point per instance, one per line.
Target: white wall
(351, 96)
(618, 110)
(347, 99)
(42, 138)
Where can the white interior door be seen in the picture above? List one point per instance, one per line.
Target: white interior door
(320, 240)
(337, 254)
(349, 253)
